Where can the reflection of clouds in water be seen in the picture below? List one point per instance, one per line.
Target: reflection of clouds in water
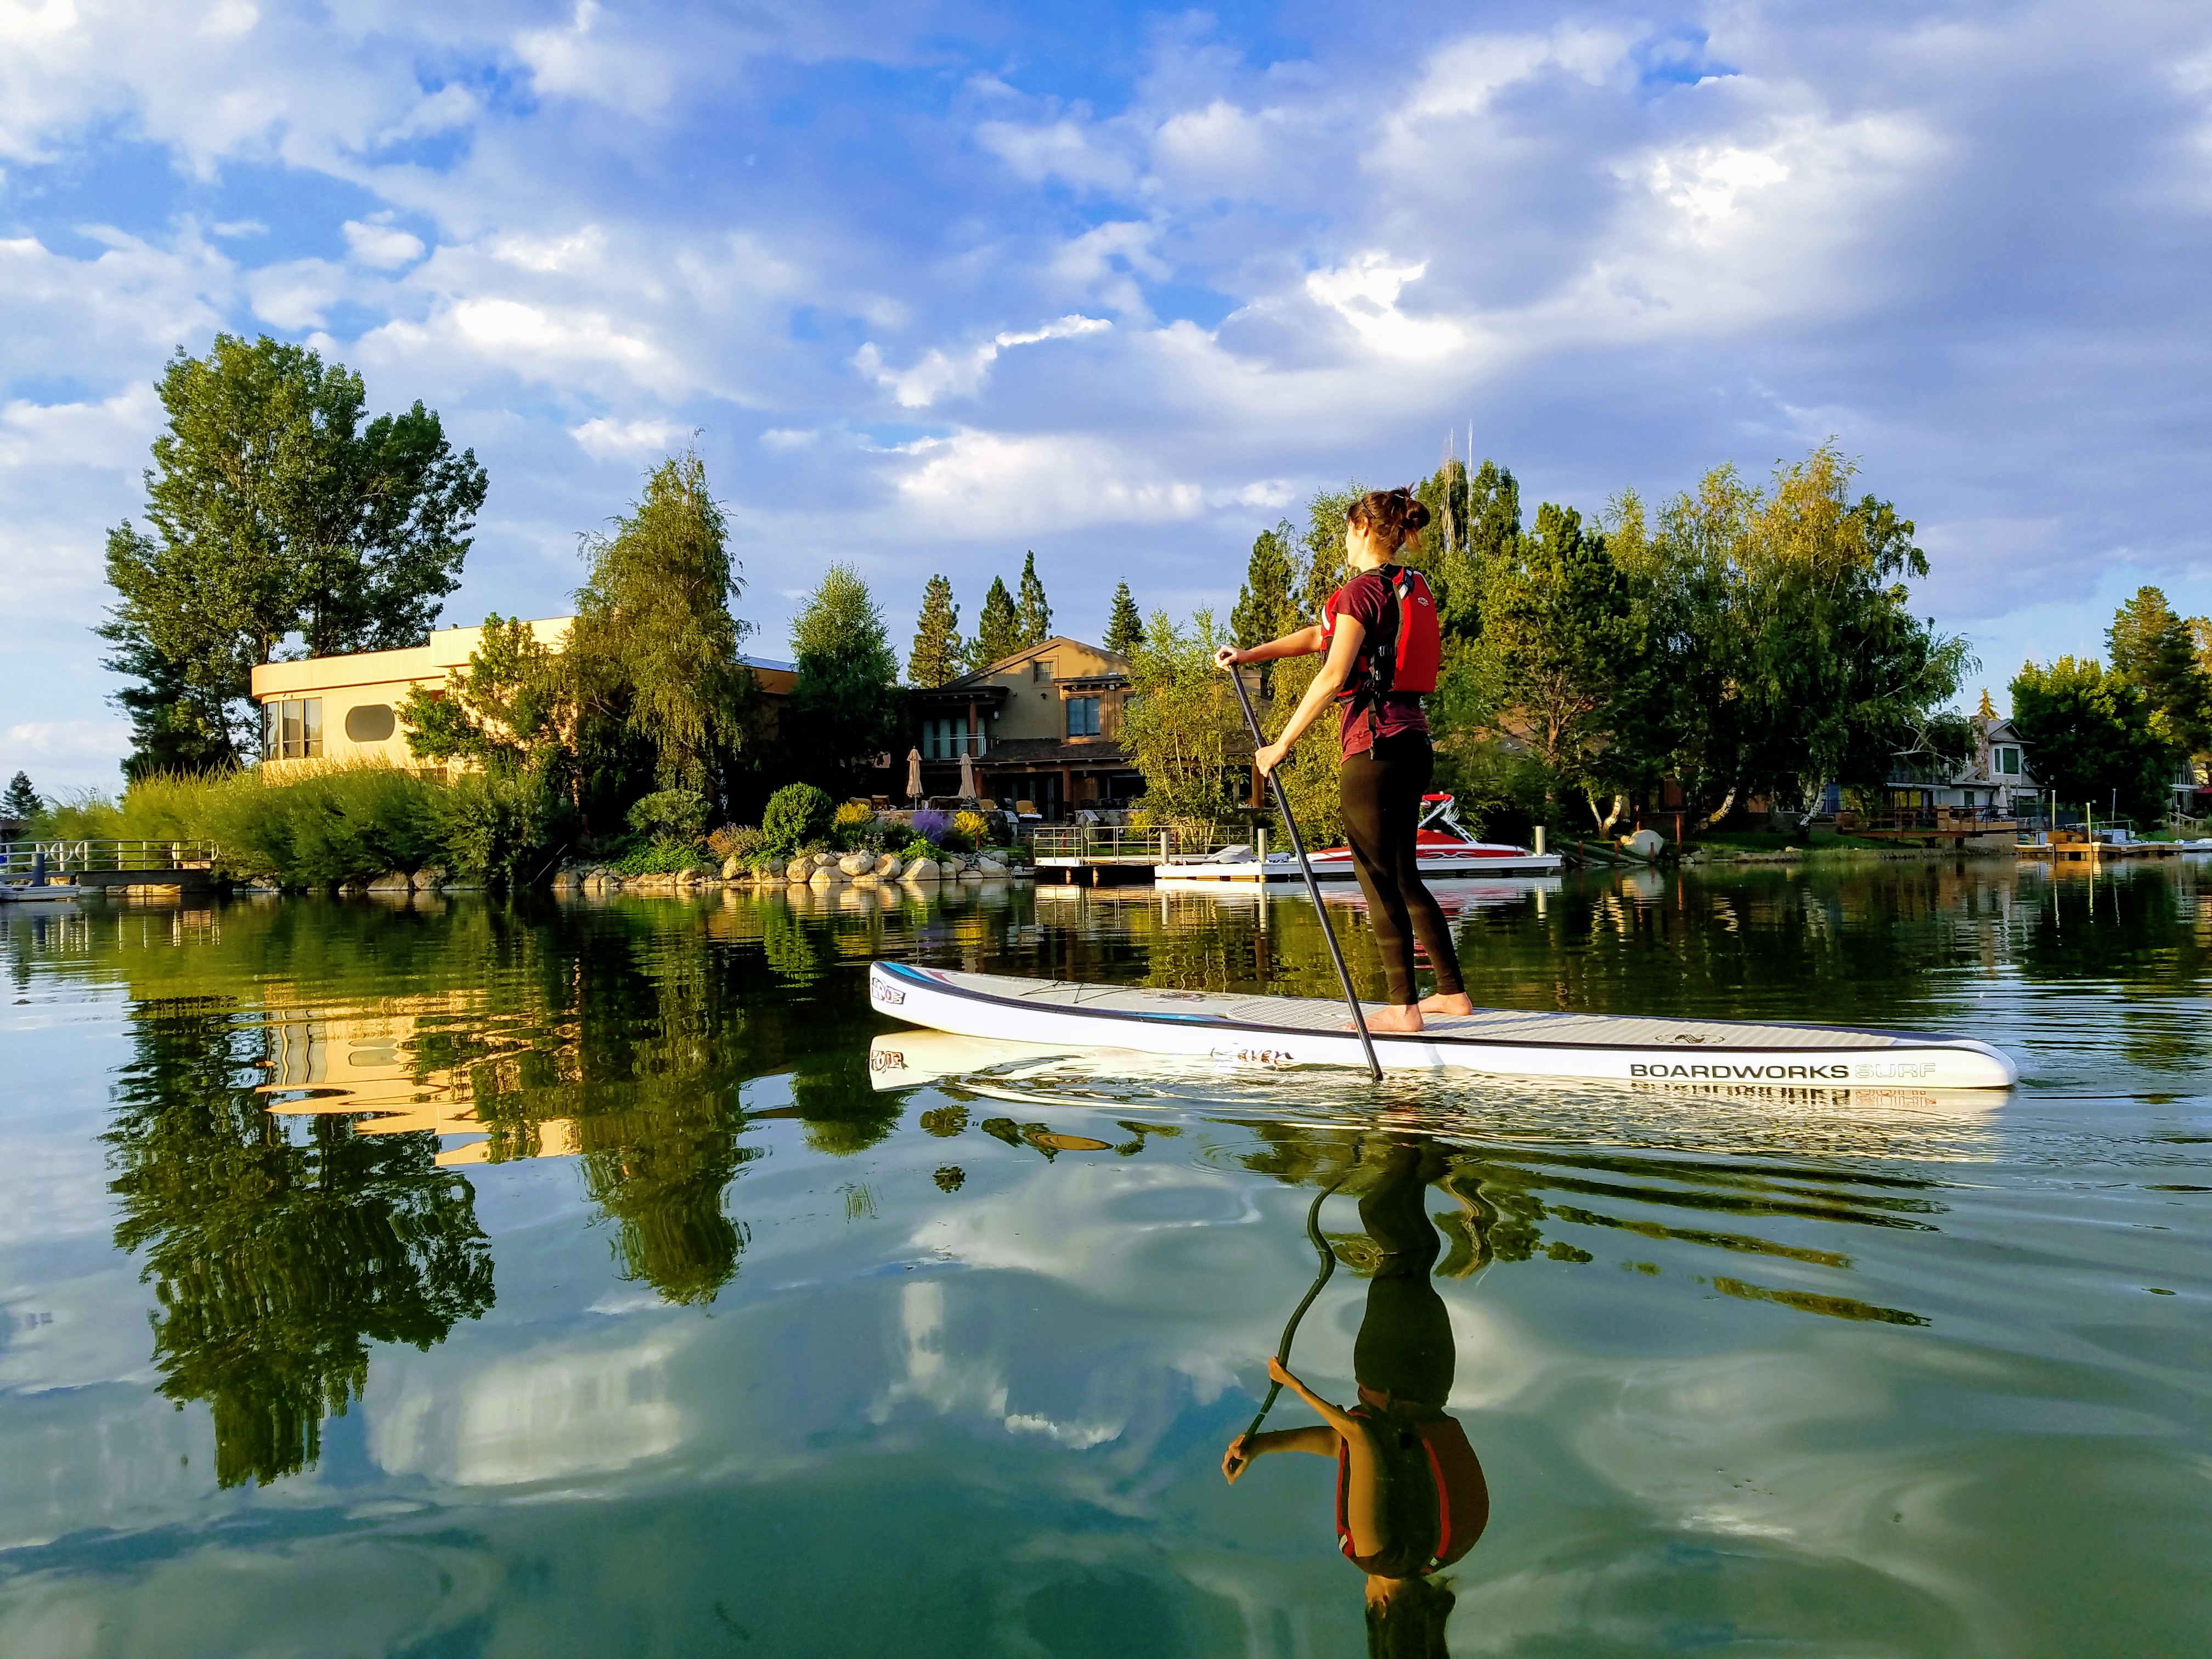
(543, 1416)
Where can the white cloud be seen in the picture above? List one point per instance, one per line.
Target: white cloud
(111, 432)
(1364, 293)
(938, 373)
(296, 293)
(605, 439)
(982, 482)
(78, 741)
(538, 343)
(551, 254)
(1070, 151)
(381, 245)
(588, 62)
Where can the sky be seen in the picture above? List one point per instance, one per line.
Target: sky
(931, 285)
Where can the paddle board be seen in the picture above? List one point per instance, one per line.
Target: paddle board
(1504, 1042)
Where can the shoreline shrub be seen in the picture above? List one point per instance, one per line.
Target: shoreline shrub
(797, 816)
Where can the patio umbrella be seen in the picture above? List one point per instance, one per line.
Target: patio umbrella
(913, 775)
(967, 777)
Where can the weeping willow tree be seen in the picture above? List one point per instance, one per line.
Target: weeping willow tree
(663, 700)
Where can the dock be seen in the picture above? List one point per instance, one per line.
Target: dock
(113, 868)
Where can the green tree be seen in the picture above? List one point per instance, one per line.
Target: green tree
(1125, 626)
(274, 509)
(653, 656)
(1560, 634)
(846, 706)
(1266, 606)
(1322, 545)
(2155, 651)
(1182, 726)
(2093, 737)
(21, 801)
(938, 654)
(1782, 636)
(508, 711)
(1035, 615)
(998, 631)
(275, 1261)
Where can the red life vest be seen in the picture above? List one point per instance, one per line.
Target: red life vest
(1437, 1504)
(1402, 652)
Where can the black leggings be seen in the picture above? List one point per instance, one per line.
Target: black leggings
(1405, 1347)
(1383, 791)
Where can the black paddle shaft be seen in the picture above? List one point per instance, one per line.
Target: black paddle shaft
(1313, 885)
(1321, 1277)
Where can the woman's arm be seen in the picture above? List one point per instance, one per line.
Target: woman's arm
(1343, 655)
(1316, 1437)
(1303, 643)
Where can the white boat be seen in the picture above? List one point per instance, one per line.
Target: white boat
(1442, 846)
(1504, 1042)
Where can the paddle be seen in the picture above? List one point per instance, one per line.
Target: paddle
(1328, 1267)
(1313, 887)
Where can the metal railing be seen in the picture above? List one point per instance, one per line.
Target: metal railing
(1933, 820)
(1105, 843)
(19, 858)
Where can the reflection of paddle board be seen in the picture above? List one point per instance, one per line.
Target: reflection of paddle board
(1308, 1032)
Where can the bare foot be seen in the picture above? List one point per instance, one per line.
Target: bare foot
(1397, 1021)
(1448, 1002)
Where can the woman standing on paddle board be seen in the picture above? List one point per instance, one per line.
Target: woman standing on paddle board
(1380, 633)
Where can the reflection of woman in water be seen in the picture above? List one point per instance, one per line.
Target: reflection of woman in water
(1410, 1495)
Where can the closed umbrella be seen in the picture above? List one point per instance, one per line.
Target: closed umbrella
(967, 777)
(913, 775)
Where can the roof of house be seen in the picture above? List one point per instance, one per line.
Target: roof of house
(1029, 651)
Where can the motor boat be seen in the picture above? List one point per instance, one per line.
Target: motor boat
(1444, 847)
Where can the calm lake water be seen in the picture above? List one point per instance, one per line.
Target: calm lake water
(470, 1278)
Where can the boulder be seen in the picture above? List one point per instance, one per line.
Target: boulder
(773, 868)
(921, 870)
(823, 877)
(430, 878)
(888, 867)
(731, 869)
(990, 869)
(867, 878)
(854, 864)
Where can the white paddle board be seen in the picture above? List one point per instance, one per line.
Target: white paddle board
(1503, 1043)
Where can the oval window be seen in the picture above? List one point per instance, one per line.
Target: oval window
(372, 722)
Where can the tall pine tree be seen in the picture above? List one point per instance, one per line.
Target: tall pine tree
(1035, 614)
(21, 801)
(937, 657)
(2155, 651)
(1264, 607)
(1126, 627)
(998, 629)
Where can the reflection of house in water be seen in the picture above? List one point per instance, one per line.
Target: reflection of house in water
(363, 1061)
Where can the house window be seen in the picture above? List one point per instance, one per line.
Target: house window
(1041, 671)
(2007, 761)
(370, 722)
(1083, 717)
(292, 729)
(949, 739)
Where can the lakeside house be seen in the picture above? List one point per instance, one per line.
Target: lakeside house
(1042, 725)
(346, 708)
(1997, 783)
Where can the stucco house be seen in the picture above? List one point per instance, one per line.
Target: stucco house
(346, 708)
(1042, 726)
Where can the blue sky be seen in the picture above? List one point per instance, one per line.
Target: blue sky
(937, 283)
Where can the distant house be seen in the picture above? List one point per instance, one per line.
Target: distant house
(1995, 782)
(346, 708)
(1042, 725)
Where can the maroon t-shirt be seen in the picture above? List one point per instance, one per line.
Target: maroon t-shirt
(1368, 598)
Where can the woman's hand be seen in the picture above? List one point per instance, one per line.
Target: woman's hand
(1238, 1458)
(1268, 757)
(1279, 1372)
(1227, 657)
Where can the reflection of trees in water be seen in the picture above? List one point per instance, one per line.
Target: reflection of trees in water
(1501, 1199)
(276, 1263)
